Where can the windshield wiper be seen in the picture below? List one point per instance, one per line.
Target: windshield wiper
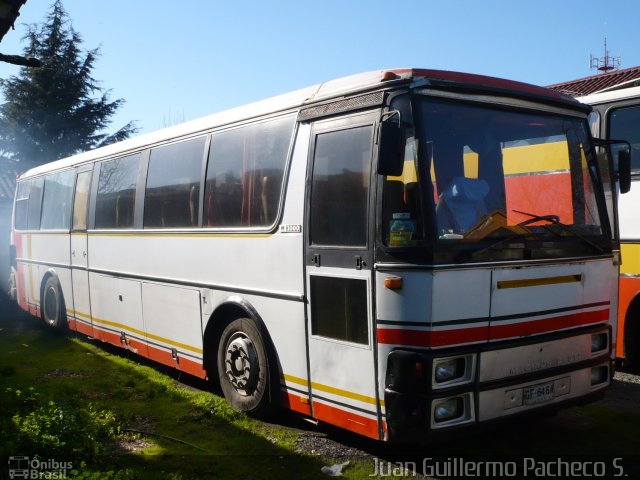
(555, 219)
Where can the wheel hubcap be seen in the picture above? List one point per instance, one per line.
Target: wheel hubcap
(241, 364)
(50, 306)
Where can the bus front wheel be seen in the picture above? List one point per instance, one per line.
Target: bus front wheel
(53, 309)
(243, 368)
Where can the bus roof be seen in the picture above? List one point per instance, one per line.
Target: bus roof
(318, 93)
(611, 95)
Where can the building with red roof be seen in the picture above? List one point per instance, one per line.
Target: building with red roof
(628, 77)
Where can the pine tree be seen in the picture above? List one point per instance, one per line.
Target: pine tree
(58, 109)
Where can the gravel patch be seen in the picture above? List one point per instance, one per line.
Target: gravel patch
(318, 443)
(624, 394)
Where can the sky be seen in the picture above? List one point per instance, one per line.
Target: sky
(180, 60)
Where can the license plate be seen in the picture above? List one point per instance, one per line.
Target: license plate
(540, 393)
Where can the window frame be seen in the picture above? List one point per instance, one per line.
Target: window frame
(208, 134)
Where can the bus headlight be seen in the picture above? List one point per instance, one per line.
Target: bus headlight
(450, 371)
(448, 409)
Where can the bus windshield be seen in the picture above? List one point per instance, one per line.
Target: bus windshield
(493, 175)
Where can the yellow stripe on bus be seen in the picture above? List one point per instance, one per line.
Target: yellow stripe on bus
(140, 332)
(154, 234)
(332, 390)
(79, 314)
(630, 253)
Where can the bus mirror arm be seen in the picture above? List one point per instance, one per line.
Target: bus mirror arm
(390, 156)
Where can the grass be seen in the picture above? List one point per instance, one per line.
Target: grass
(63, 397)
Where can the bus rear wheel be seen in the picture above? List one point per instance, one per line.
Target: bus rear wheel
(53, 307)
(243, 368)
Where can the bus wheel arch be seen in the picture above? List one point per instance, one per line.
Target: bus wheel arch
(236, 333)
(53, 310)
(632, 335)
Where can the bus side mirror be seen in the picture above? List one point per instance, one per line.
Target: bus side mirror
(391, 151)
(624, 169)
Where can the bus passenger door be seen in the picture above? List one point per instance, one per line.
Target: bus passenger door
(80, 253)
(338, 263)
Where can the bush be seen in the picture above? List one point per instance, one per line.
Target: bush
(59, 429)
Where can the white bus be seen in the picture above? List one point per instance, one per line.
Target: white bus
(397, 253)
(616, 114)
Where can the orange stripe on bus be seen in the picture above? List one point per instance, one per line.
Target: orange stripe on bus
(296, 403)
(562, 322)
(333, 390)
(441, 338)
(430, 338)
(345, 419)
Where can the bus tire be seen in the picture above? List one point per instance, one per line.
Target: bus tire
(54, 313)
(243, 368)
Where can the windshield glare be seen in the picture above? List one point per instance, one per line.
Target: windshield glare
(496, 173)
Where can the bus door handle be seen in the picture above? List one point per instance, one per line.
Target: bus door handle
(316, 259)
(73, 253)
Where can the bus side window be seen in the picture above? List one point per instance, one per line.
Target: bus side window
(115, 201)
(340, 187)
(22, 205)
(56, 204)
(623, 125)
(173, 185)
(81, 201)
(35, 203)
(245, 171)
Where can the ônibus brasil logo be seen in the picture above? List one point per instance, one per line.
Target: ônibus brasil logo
(35, 468)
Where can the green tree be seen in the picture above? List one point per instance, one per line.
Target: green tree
(57, 109)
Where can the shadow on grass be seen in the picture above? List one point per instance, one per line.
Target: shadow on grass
(187, 433)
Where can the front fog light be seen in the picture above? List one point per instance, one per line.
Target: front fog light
(599, 375)
(448, 409)
(449, 369)
(599, 342)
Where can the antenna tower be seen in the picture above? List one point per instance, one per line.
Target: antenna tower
(605, 64)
